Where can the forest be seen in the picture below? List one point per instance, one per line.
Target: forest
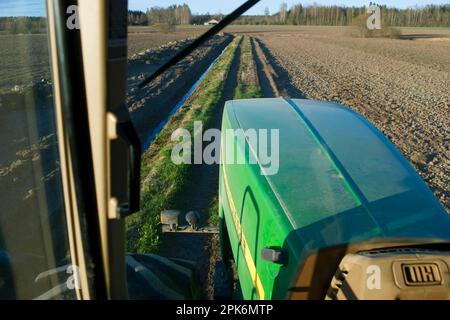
(427, 16)
(298, 14)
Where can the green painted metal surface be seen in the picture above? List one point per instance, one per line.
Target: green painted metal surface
(339, 181)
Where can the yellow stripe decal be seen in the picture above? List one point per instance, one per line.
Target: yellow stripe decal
(244, 245)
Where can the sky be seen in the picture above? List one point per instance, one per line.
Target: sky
(37, 7)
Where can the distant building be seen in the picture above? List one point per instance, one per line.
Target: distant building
(211, 22)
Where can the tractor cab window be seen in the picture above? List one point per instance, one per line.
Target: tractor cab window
(34, 252)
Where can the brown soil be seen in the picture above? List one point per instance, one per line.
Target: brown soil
(144, 38)
(151, 104)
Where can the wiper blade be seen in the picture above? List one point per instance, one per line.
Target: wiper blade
(199, 41)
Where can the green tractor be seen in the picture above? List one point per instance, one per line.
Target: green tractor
(342, 216)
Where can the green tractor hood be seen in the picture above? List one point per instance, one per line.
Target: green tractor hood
(340, 180)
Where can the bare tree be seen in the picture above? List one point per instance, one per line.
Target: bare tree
(283, 12)
(266, 15)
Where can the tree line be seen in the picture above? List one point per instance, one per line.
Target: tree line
(172, 15)
(16, 25)
(428, 16)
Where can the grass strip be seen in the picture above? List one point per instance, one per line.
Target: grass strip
(164, 184)
(248, 84)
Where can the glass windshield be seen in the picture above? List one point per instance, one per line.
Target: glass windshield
(34, 253)
(388, 63)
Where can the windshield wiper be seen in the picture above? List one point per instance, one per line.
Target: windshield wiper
(199, 41)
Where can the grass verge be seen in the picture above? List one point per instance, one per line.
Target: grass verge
(164, 184)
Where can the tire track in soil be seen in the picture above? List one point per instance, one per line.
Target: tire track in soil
(265, 72)
(203, 248)
(274, 80)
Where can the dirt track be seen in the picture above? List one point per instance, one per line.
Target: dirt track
(400, 86)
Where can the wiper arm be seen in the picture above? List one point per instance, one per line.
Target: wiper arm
(199, 41)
